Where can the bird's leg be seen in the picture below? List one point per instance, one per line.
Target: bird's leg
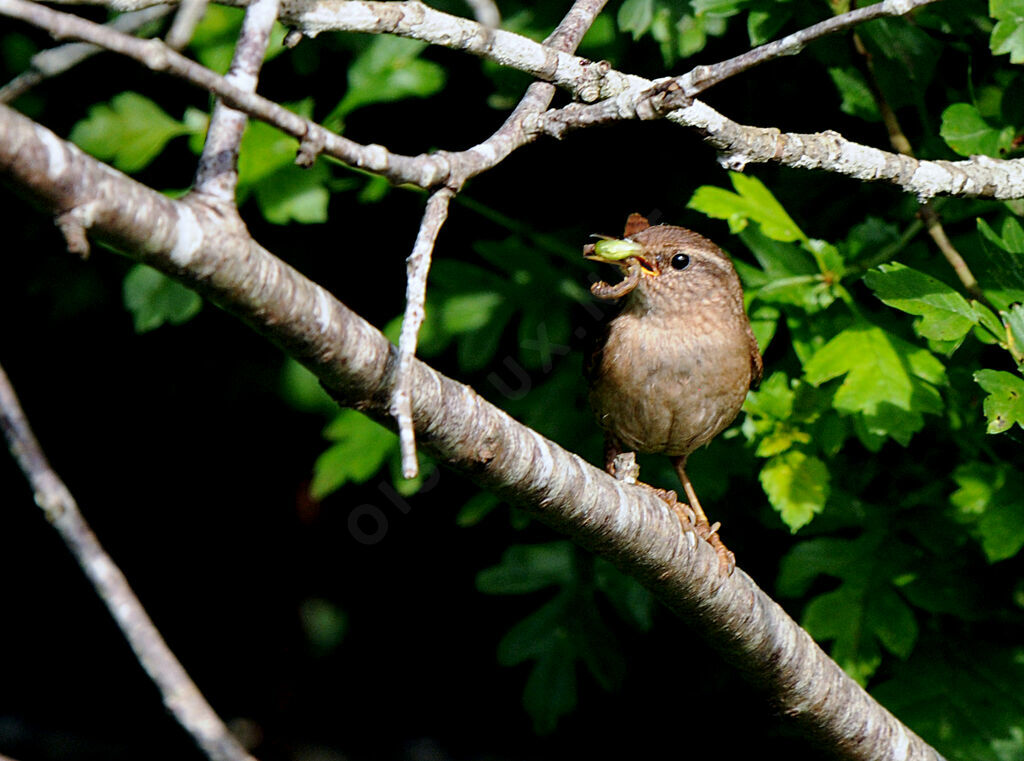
(708, 532)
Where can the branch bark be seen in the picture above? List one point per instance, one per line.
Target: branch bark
(356, 364)
(180, 694)
(622, 97)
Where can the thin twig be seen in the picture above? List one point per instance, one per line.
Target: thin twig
(190, 13)
(57, 60)
(217, 173)
(179, 692)
(507, 138)
(417, 266)
(424, 171)
(738, 144)
(486, 12)
(703, 77)
(929, 215)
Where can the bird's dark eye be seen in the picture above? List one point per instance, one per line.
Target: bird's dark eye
(680, 262)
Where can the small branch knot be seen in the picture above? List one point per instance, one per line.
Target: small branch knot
(311, 146)
(73, 225)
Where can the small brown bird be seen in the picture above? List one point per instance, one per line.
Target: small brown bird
(677, 361)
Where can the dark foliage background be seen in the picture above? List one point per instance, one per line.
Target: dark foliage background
(463, 630)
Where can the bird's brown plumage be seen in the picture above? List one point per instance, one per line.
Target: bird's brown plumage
(676, 363)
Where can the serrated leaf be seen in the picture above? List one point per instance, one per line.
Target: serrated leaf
(890, 383)
(362, 448)
(476, 508)
(763, 25)
(965, 695)
(797, 485)
(839, 616)
(550, 690)
(752, 202)
(891, 620)
(1008, 33)
(294, 194)
(967, 132)
(635, 17)
(129, 132)
(1003, 278)
(774, 399)
(1013, 319)
(633, 601)
(536, 634)
(216, 37)
(812, 558)
(389, 69)
(527, 568)
(155, 299)
(945, 314)
(465, 312)
(857, 98)
(1004, 405)
(904, 58)
(977, 482)
(1002, 525)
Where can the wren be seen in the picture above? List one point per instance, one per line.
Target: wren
(676, 363)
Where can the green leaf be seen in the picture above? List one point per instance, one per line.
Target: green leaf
(904, 58)
(550, 690)
(1002, 526)
(752, 202)
(888, 382)
(721, 8)
(1013, 319)
(527, 568)
(797, 485)
(155, 299)
(476, 508)
(945, 314)
(840, 616)
(962, 694)
(1004, 404)
(857, 98)
(216, 37)
(294, 194)
(325, 625)
(301, 389)
(764, 24)
(1003, 276)
(465, 312)
(891, 620)
(635, 17)
(389, 69)
(632, 600)
(774, 399)
(967, 132)
(129, 132)
(812, 558)
(536, 634)
(361, 450)
(1008, 33)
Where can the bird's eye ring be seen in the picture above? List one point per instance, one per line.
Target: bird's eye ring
(680, 261)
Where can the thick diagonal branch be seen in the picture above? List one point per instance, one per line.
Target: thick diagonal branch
(355, 363)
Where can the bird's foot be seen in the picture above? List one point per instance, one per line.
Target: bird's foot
(706, 531)
(726, 557)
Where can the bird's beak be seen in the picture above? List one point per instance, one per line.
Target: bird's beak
(620, 252)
